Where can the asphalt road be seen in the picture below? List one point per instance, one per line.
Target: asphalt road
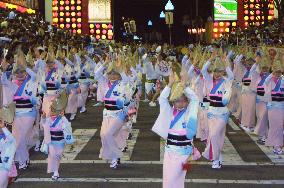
(246, 164)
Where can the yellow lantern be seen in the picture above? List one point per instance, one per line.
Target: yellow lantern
(79, 7)
(67, 19)
(215, 30)
(92, 26)
(61, 14)
(79, 31)
(110, 32)
(73, 14)
(79, 20)
(55, 20)
(62, 26)
(73, 25)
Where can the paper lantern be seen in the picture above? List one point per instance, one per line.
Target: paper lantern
(61, 8)
(215, 30)
(103, 37)
(61, 14)
(67, 19)
(55, 20)
(221, 24)
(67, 2)
(98, 31)
(98, 36)
(67, 14)
(73, 14)
(73, 8)
(61, 2)
(79, 31)
(79, 7)
(104, 32)
(79, 20)
(73, 25)
(61, 26)
(79, 14)
(110, 32)
(92, 26)
(92, 31)
(79, 25)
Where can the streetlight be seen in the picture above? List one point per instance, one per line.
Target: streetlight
(162, 15)
(169, 8)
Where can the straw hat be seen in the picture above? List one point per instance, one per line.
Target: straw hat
(20, 65)
(176, 92)
(60, 103)
(59, 53)
(29, 59)
(277, 64)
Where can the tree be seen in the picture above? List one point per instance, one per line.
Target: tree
(279, 5)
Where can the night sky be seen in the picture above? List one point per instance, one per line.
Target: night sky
(144, 10)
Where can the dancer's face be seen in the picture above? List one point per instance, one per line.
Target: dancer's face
(277, 73)
(181, 103)
(218, 74)
(114, 76)
(21, 75)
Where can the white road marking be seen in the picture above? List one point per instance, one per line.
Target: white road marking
(82, 137)
(268, 151)
(162, 149)
(233, 125)
(276, 159)
(130, 144)
(230, 154)
(152, 180)
(232, 163)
